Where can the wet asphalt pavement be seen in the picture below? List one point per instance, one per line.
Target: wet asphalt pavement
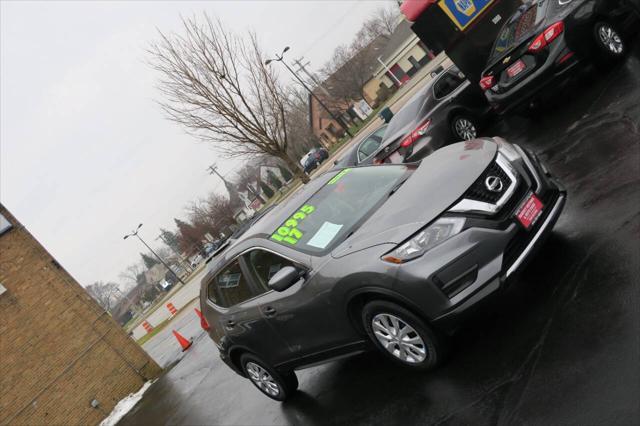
(560, 346)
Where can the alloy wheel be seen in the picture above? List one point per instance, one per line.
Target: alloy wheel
(610, 39)
(399, 338)
(465, 129)
(262, 379)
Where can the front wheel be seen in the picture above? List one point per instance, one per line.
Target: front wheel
(402, 336)
(464, 128)
(609, 42)
(268, 380)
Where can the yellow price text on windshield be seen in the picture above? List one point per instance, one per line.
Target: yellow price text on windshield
(289, 232)
(338, 176)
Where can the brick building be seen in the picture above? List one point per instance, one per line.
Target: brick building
(59, 350)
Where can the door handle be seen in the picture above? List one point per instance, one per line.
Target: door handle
(269, 311)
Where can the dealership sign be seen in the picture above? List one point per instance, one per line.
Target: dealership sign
(463, 12)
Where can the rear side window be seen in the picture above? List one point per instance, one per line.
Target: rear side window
(407, 114)
(447, 84)
(231, 286)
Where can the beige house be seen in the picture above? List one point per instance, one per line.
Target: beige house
(403, 55)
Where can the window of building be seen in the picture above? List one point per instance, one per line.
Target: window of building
(414, 62)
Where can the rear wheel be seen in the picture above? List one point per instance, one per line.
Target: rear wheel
(464, 128)
(268, 380)
(402, 336)
(609, 42)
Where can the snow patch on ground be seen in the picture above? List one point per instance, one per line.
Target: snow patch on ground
(125, 405)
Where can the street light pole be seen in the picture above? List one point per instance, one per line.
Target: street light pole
(178, 255)
(280, 58)
(135, 233)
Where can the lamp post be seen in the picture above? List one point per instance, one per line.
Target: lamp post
(280, 58)
(135, 234)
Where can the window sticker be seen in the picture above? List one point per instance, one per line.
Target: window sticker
(289, 233)
(325, 234)
(338, 176)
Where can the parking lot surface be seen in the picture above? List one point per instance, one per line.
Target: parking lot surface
(561, 344)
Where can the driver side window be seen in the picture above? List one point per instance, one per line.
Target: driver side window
(231, 287)
(264, 265)
(369, 146)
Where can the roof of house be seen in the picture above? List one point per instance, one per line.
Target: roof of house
(399, 37)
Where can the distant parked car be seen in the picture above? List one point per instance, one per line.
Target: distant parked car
(449, 109)
(166, 285)
(313, 159)
(362, 153)
(211, 247)
(541, 46)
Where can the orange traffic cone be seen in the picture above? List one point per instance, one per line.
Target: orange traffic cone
(186, 344)
(203, 322)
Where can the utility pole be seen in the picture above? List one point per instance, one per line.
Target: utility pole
(386, 68)
(135, 234)
(184, 263)
(213, 169)
(339, 120)
(303, 67)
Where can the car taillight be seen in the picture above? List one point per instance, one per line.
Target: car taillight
(547, 36)
(415, 135)
(487, 82)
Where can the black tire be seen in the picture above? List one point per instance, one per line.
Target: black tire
(286, 383)
(433, 345)
(457, 132)
(606, 54)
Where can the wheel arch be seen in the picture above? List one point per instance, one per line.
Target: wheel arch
(359, 298)
(235, 353)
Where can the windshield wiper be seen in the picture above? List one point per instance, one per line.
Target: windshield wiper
(398, 185)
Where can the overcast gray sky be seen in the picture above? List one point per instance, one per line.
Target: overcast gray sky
(85, 153)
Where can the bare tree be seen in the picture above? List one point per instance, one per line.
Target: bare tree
(351, 66)
(131, 274)
(349, 69)
(382, 23)
(301, 135)
(217, 86)
(106, 294)
(210, 215)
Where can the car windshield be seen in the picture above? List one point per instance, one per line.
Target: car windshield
(332, 212)
(519, 26)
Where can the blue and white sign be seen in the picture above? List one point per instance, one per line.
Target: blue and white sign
(463, 12)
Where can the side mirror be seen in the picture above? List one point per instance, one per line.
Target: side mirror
(285, 278)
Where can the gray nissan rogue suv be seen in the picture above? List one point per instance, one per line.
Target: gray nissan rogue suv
(391, 256)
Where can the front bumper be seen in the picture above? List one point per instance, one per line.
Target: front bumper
(489, 253)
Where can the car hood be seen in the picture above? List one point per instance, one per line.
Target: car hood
(439, 181)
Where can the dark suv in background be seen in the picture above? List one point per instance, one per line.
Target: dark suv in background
(388, 256)
(542, 45)
(449, 109)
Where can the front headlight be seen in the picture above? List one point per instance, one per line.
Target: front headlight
(439, 231)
